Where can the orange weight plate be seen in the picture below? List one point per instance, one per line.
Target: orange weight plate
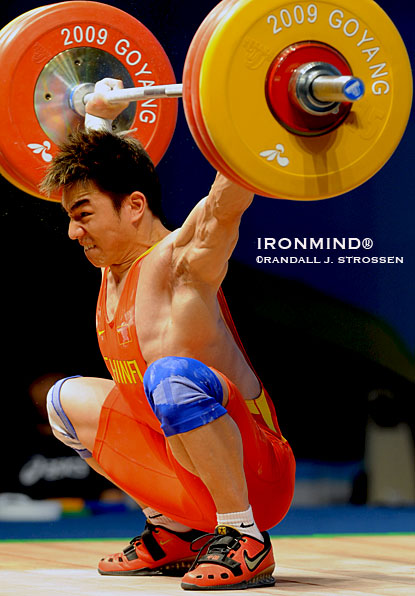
(189, 69)
(191, 101)
(191, 76)
(11, 30)
(59, 47)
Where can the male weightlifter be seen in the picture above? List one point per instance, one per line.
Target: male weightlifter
(184, 426)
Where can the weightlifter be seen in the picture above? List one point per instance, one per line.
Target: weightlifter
(185, 426)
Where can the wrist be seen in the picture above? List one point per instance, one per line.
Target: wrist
(97, 123)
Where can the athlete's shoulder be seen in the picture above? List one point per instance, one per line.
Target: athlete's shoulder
(162, 250)
(158, 260)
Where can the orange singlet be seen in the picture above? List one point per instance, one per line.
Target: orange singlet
(133, 451)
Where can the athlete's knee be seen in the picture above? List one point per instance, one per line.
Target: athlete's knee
(61, 426)
(184, 394)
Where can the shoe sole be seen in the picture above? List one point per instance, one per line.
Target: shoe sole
(263, 580)
(177, 569)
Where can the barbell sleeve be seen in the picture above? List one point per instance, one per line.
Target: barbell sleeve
(337, 88)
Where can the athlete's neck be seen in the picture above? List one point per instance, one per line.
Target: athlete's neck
(145, 240)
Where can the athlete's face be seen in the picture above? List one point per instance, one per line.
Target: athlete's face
(104, 233)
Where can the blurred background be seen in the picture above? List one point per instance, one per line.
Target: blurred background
(334, 346)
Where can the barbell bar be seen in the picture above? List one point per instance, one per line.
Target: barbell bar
(325, 89)
(141, 93)
(284, 117)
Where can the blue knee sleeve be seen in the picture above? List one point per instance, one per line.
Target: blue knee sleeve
(183, 393)
(60, 423)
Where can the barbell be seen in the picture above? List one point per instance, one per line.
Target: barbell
(294, 100)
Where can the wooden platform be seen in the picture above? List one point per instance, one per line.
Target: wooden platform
(380, 565)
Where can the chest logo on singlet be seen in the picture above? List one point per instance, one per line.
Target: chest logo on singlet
(123, 334)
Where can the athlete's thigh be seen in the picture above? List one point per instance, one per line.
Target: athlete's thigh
(82, 399)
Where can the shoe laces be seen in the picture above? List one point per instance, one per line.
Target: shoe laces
(137, 540)
(221, 545)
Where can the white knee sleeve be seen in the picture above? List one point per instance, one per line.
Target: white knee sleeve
(60, 423)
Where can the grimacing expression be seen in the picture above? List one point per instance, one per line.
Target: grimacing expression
(103, 232)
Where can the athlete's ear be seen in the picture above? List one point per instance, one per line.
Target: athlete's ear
(137, 203)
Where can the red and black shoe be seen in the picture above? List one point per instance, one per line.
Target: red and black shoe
(233, 561)
(157, 551)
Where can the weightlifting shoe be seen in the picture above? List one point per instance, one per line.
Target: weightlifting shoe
(157, 551)
(233, 561)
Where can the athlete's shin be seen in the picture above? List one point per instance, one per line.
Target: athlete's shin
(186, 396)
(215, 451)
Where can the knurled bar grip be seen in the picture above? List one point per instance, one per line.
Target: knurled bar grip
(140, 93)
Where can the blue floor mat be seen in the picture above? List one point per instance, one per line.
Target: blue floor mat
(299, 521)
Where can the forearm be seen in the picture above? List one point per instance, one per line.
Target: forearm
(227, 200)
(205, 242)
(209, 235)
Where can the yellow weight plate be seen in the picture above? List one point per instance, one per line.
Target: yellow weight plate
(256, 147)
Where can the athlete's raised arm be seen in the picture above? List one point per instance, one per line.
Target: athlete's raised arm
(207, 238)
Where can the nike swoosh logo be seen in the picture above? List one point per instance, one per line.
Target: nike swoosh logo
(101, 332)
(246, 526)
(252, 564)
